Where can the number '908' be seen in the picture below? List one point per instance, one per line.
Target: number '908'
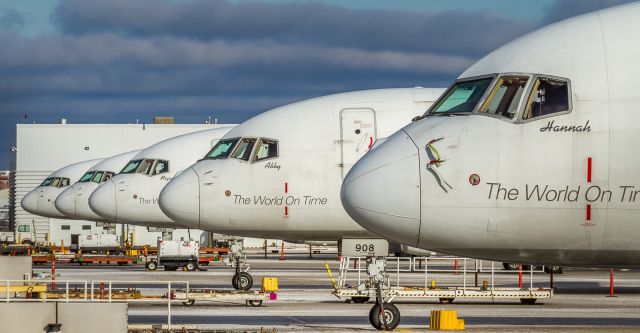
(365, 247)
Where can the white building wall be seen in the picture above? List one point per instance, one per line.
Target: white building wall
(44, 148)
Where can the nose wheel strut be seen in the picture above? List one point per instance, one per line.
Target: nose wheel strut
(383, 315)
(241, 280)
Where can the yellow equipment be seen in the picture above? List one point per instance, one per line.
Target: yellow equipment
(445, 320)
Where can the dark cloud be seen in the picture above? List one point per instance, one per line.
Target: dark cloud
(10, 19)
(562, 9)
(308, 23)
(118, 61)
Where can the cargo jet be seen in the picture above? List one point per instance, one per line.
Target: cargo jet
(131, 196)
(41, 200)
(74, 201)
(278, 174)
(530, 156)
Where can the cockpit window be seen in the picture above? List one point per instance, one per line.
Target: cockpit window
(161, 166)
(107, 176)
(145, 166)
(222, 149)
(55, 182)
(97, 177)
(548, 96)
(243, 151)
(462, 97)
(131, 167)
(86, 177)
(47, 181)
(505, 96)
(266, 149)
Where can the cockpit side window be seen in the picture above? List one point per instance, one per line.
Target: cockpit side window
(86, 177)
(267, 148)
(145, 166)
(64, 182)
(97, 177)
(548, 96)
(243, 151)
(108, 175)
(505, 96)
(161, 166)
(131, 167)
(47, 181)
(222, 149)
(462, 97)
(55, 182)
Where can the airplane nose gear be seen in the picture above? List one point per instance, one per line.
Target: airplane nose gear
(382, 316)
(237, 258)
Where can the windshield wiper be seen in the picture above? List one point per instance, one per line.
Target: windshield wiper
(440, 114)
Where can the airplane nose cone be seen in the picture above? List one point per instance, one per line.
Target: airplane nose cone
(180, 199)
(382, 190)
(30, 202)
(66, 202)
(103, 201)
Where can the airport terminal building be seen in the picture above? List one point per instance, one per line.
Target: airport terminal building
(40, 149)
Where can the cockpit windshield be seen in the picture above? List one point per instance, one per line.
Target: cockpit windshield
(222, 149)
(56, 182)
(243, 149)
(97, 177)
(131, 167)
(86, 177)
(243, 152)
(147, 166)
(462, 97)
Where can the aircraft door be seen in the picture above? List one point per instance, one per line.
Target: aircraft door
(358, 132)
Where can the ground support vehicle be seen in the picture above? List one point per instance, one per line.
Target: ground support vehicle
(175, 254)
(380, 278)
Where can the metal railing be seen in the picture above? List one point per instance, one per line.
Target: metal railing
(396, 266)
(104, 289)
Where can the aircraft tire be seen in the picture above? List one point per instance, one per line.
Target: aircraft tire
(390, 311)
(242, 281)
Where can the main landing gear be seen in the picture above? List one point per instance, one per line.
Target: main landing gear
(237, 258)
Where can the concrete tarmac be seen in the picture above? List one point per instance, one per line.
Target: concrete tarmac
(305, 302)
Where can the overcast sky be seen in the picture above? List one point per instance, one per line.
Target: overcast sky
(96, 61)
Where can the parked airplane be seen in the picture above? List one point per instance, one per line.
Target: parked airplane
(278, 174)
(529, 156)
(74, 201)
(40, 201)
(132, 195)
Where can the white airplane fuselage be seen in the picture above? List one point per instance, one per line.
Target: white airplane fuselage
(295, 194)
(74, 201)
(523, 186)
(41, 200)
(131, 196)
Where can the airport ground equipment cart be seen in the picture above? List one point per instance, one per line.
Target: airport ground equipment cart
(388, 279)
(250, 297)
(175, 254)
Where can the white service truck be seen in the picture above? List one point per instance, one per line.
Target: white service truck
(173, 254)
(99, 243)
